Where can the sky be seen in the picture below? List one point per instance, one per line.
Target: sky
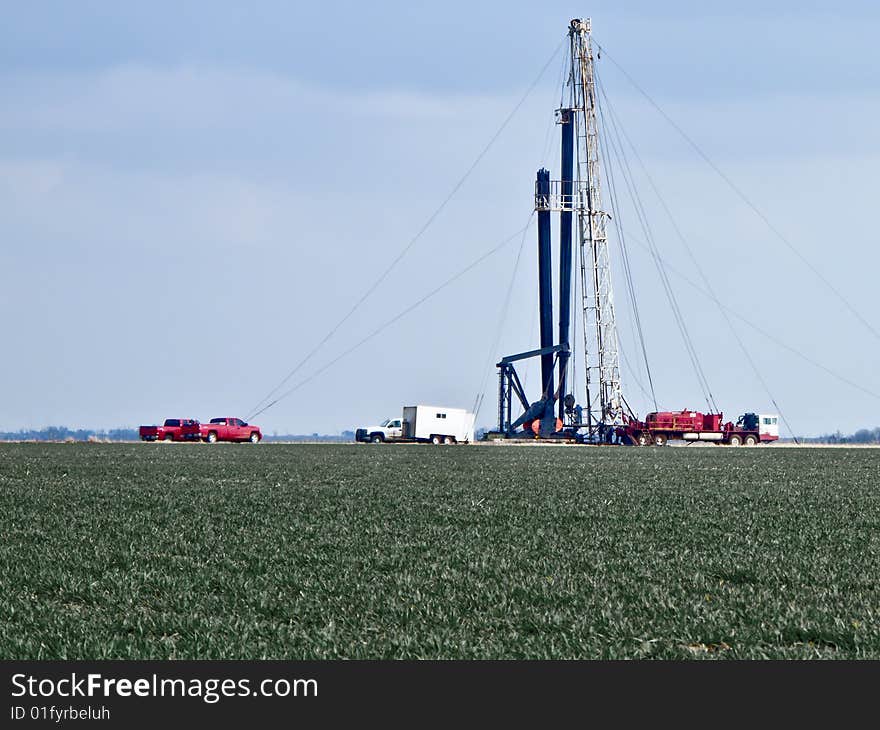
(193, 195)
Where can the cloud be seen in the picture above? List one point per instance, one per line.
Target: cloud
(193, 98)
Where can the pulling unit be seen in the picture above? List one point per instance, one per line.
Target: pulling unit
(556, 414)
(605, 416)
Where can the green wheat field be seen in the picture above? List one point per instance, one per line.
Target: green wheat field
(380, 551)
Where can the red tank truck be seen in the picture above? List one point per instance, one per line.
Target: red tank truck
(659, 428)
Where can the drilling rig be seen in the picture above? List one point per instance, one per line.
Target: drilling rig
(557, 413)
(605, 416)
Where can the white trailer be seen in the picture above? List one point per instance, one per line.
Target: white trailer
(438, 424)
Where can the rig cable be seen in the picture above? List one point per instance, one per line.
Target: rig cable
(772, 338)
(394, 319)
(532, 331)
(545, 153)
(458, 185)
(709, 288)
(635, 377)
(624, 256)
(561, 84)
(669, 289)
(478, 400)
(623, 163)
(545, 161)
(745, 199)
(630, 288)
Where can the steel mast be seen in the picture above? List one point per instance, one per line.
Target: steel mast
(578, 191)
(605, 404)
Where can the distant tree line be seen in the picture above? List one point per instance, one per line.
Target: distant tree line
(62, 433)
(329, 438)
(862, 436)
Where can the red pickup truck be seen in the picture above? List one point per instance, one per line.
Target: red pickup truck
(230, 429)
(174, 429)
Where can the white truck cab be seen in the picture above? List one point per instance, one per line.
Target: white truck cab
(391, 429)
(768, 426)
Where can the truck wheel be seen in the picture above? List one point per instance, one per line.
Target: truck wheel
(448, 440)
(660, 439)
(212, 437)
(255, 438)
(750, 440)
(735, 440)
(642, 439)
(168, 437)
(377, 438)
(436, 439)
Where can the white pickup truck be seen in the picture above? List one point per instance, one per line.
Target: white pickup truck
(434, 424)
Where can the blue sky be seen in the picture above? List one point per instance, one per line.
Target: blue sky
(191, 197)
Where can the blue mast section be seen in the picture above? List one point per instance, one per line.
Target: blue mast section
(545, 286)
(565, 250)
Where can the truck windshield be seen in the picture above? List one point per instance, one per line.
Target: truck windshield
(218, 420)
(386, 422)
(172, 422)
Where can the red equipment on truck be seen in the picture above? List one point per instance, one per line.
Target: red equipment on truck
(658, 428)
